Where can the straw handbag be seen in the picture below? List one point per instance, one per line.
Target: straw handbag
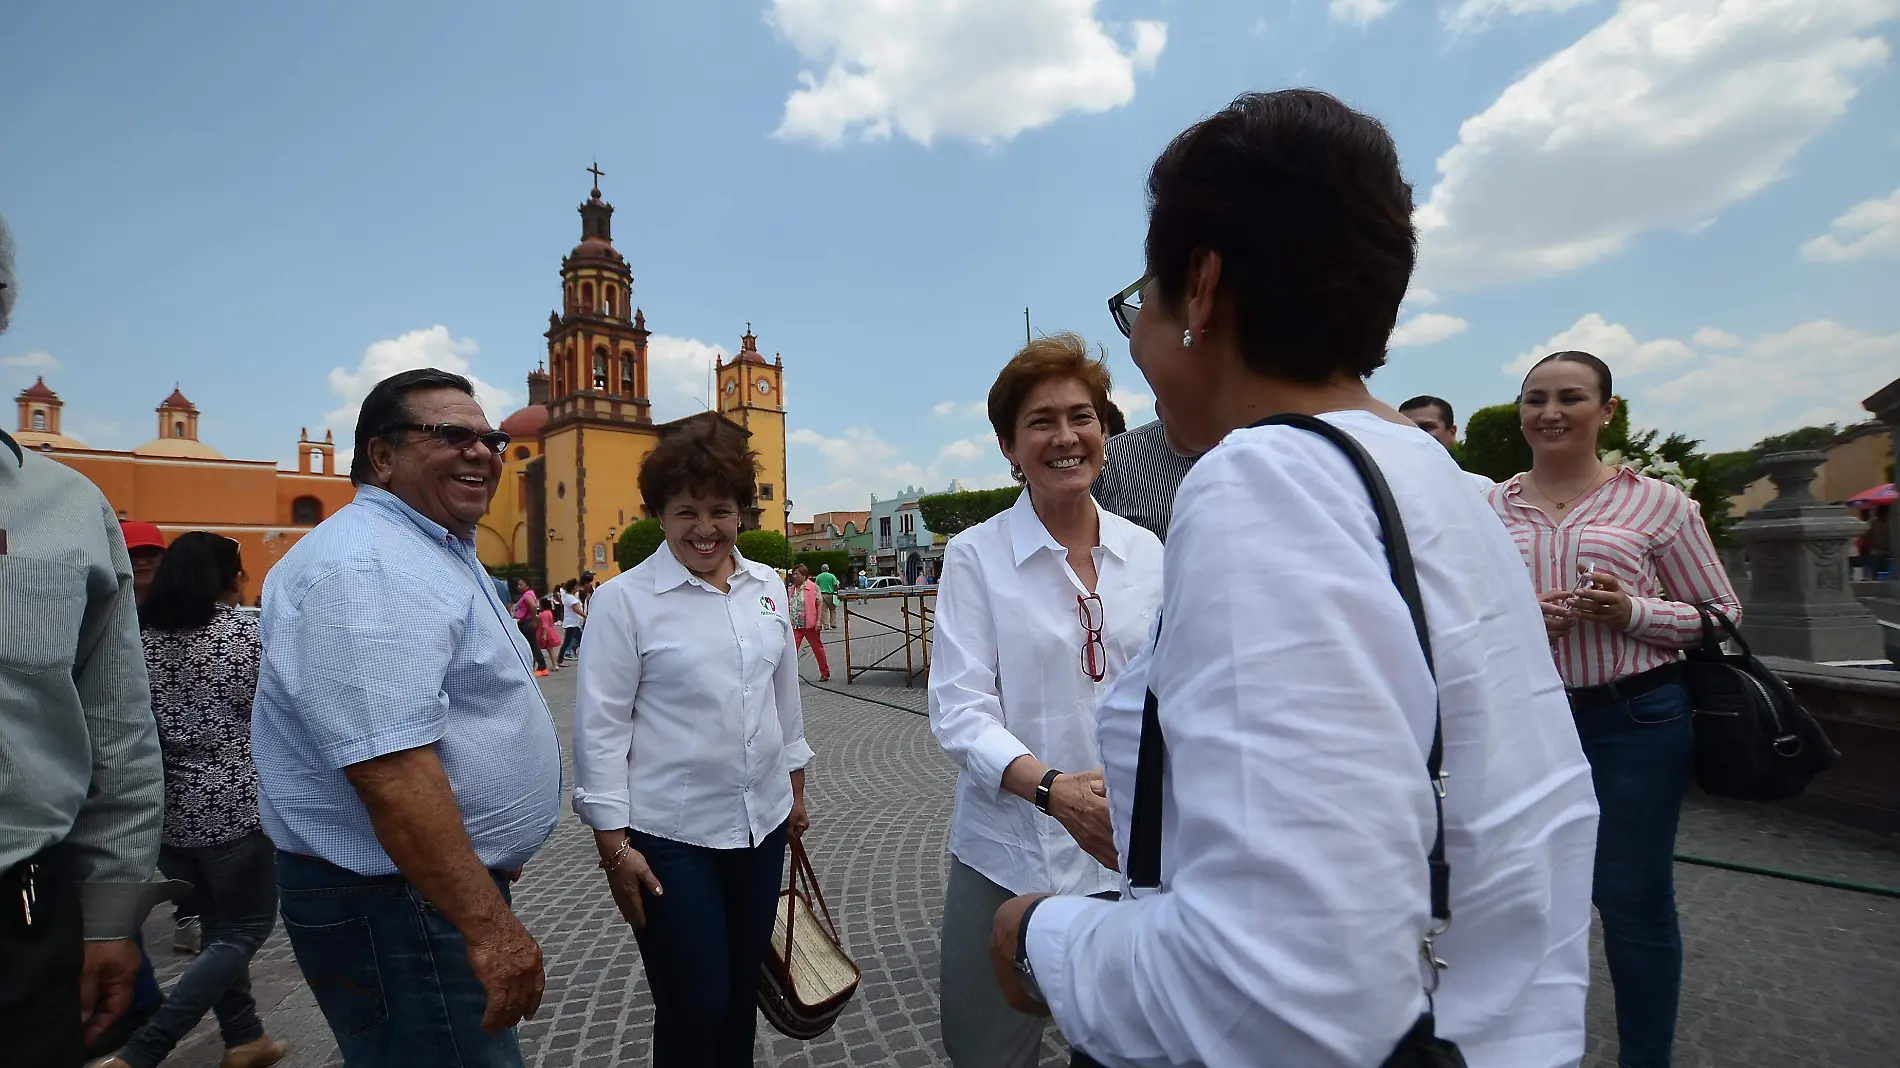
(806, 977)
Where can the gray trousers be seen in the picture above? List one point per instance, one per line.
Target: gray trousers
(980, 1030)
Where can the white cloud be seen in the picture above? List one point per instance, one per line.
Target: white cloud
(1360, 12)
(1612, 342)
(1132, 403)
(1710, 337)
(983, 70)
(1427, 328)
(679, 370)
(1817, 372)
(858, 463)
(41, 360)
(1869, 228)
(974, 409)
(417, 348)
(1664, 115)
(1474, 14)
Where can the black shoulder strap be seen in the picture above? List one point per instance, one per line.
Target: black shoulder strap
(1144, 838)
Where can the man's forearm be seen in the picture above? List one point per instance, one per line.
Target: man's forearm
(414, 814)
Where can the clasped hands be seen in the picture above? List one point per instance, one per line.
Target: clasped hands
(1599, 598)
(1080, 803)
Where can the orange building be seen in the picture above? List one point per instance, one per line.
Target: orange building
(179, 483)
(570, 480)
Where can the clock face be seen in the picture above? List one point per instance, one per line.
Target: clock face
(764, 386)
(731, 385)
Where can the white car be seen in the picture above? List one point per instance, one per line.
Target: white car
(883, 582)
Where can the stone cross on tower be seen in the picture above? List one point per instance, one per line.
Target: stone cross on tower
(597, 173)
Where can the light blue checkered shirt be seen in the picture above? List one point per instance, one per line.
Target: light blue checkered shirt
(382, 633)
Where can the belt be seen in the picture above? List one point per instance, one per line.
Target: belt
(1628, 688)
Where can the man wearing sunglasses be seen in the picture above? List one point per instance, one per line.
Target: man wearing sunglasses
(407, 764)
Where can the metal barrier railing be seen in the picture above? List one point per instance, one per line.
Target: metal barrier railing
(916, 622)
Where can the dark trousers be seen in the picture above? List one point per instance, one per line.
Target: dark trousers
(570, 642)
(704, 941)
(39, 970)
(531, 630)
(1639, 752)
(389, 972)
(237, 883)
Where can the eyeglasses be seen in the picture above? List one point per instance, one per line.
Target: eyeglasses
(1094, 653)
(460, 438)
(1125, 309)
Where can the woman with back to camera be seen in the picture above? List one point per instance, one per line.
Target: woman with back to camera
(1038, 609)
(689, 749)
(1294, 702)
(1620, 562)
(202, 656)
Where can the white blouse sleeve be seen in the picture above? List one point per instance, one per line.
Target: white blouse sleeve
(966, 709)
(604, 693)
(1298, 813)
(791, 717)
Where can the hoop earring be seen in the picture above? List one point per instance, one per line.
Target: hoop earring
(1016, 472)
(1187, 339)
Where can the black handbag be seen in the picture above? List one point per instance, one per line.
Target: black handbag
(1753, 740)
(1420, 1047)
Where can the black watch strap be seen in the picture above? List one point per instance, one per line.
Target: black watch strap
(1028, 974)
(1042, 790)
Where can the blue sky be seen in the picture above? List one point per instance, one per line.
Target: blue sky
(275, 205)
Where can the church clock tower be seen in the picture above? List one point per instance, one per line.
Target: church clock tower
(752, 394)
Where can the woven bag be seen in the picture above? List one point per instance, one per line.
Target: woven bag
(806, 978)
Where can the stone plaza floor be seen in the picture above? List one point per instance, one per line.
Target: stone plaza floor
(1778, 973)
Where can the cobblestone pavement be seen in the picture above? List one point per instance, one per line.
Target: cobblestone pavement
(1778, 973)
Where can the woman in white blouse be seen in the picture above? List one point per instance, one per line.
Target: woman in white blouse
(1037, 610)
(1290, 687)
(689, 750)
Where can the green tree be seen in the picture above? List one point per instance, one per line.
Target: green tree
(1494, 446)
(767, 547)
(950, 514)
(814, 560)
(639, 541)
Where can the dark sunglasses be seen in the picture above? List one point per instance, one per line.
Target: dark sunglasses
(460, 438)
(1126, 305)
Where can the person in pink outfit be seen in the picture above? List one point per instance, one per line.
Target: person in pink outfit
(527, 613)
(807, 618)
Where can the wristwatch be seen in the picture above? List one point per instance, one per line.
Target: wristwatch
(1023, 970)
(1042, 790)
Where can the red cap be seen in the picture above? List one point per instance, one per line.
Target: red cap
(141, 536)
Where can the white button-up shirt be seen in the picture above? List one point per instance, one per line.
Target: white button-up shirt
(1297, 709)
(686, 718)
(1006, 679)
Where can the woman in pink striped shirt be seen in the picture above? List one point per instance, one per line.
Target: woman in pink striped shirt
(1620, 561)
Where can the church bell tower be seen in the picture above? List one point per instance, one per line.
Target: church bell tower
(597, 342)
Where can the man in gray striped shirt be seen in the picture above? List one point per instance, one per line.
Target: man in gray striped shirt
(82, 787)
(1140, 477)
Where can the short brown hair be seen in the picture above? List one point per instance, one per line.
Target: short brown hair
(1057, 356)
(1303, 198)
(700, 458)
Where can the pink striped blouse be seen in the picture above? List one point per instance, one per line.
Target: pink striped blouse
(1648, 534)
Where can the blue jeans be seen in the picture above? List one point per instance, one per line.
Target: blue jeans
(1640, 752)
(703, 943)
(571, 643)
(389, 972)
(237, 887)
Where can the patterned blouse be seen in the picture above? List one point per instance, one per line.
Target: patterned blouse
(1648, 534)
(203, 682)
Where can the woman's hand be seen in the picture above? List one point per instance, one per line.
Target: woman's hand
(1080, 803)
(1559, 616)
(1604, 601)
(797, 822)
(629, 877)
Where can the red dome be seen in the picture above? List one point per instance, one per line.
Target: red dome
(594, 248)
(39, 390)
(526, 424)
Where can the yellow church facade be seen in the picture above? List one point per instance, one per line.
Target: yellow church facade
(570, 481)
